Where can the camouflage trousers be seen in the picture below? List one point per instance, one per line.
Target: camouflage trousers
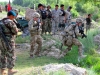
(44, 26)
(48, 26)
(7, 57)
(68, 22)
(74, 42)
(35, 39)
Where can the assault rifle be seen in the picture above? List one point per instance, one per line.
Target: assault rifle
(3, 37)
(81, 30)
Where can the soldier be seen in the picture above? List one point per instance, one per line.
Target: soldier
(62, 18)
(70, 37)
(0, 8)
(55, 19)
(7, 58)
(40, 7)
(44, 17)
(68, 16)
(35, 31)
(49, 16)
(88, 22)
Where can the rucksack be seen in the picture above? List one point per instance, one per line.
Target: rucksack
(43, 14)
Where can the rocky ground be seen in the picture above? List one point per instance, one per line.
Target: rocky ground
(50, 50)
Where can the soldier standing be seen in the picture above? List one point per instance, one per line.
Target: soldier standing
(88, 22)
(7, 58)
(55, 19)
(68, 16)
(35, 33)
(49, 16)
(0, 8)
(62, 18)
(40, 7)
(44, 21)
(70, 37)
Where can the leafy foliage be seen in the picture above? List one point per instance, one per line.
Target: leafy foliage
(83, 6)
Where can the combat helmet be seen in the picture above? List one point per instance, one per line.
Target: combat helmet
(78, 20)
(35, 14)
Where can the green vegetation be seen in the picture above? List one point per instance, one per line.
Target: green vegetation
(91, 62)
(22, 40)
(79, 6)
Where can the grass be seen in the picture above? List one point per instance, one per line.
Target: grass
(27, 66)
(3, 15)
(89, 45)
(26, 39)
(24, 63)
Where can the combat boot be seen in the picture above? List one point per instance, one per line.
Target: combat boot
(4, 72)
(12, 72)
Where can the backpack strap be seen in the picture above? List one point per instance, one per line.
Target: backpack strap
(74, 31)
(7, 26)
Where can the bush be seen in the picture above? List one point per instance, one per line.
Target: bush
(19, 39)
(96, 67)
(88, 42)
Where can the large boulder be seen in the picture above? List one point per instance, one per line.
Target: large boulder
(97, 39)
(52, 52)
(24, 46)
(28, 14)
(68, 68)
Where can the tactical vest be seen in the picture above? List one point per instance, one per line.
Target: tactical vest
(64, 13)
(43, 14)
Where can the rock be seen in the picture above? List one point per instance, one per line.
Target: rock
(28, 14)
(59, 37)
(48, 43)
(72, 69)
(24, 46)
(52, 52)
(97, 39)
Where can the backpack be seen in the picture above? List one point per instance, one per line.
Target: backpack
(4, 25)
(64, 13)
(43, 14)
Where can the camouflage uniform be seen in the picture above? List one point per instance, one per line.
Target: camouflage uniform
(48, 28)
(44, 20)
(7, 58)
(69, 38)
(35, 35)
(55, 20)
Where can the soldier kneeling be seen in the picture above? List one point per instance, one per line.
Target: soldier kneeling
(35, 31)
(70, 37)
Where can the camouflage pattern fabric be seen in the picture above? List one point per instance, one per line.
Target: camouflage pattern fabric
(69, 38)
(35, 37)
(48, 26)
(7, 57)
